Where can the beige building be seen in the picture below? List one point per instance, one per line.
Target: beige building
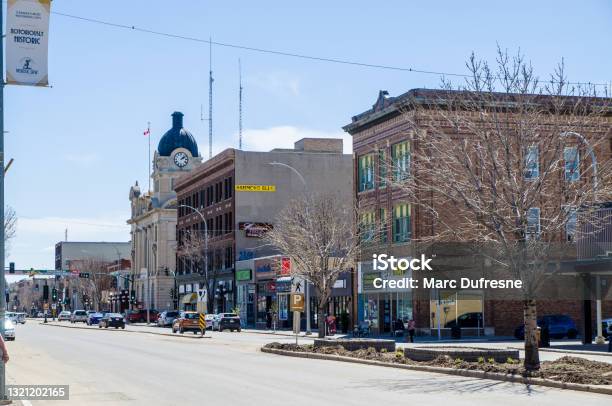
(153, 218)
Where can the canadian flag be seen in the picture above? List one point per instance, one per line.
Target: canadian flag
(147, 132)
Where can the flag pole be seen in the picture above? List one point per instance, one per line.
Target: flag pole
(149, 165)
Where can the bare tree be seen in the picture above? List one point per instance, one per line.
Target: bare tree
(192, 250)
(319, 233)
(508, 161)
(99, 280)
(10, 226)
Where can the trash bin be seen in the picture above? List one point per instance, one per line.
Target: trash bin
(456, 332)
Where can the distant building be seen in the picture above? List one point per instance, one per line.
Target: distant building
(68, 253)
(240, 194)
(153, 218)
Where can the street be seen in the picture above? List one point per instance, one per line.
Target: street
(116, 367)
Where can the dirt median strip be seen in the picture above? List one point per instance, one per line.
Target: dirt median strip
(128, 331)
(458, 372)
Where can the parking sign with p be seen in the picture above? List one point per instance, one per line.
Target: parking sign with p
(297, 302)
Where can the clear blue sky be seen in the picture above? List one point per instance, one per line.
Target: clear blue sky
(78, 146)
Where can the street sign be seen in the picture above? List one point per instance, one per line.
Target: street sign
(202, 295)
(297, 302)
(202, 323)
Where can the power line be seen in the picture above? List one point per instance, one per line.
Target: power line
(282, 53)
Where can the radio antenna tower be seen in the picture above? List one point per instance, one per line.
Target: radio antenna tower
(239, 105)
(210, 100)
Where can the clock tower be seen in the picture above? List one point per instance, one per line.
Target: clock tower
(177, 153)
(153, 219)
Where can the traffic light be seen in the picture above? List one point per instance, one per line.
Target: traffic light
(45, 292)
(133, 296)
(84, 275)
(54, 295)
(11, 267)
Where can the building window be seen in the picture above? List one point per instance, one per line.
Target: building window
(384, 225)
(401, 223)
(572, 163)
(229, 257)
(532, 162)
(382, 168)
(366, 172)
(400, 155)
(533, 222)
(368, 225)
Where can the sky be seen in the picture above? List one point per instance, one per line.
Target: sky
(79, 146)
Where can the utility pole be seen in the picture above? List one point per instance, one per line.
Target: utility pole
(2, 280)
(210, 99)
(239, 105)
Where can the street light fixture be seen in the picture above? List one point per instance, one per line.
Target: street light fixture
(306, 288)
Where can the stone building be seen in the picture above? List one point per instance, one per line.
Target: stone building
(153, 218)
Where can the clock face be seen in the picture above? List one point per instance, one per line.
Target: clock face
(181, 159)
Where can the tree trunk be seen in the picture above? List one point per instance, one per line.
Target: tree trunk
(321, 320)
(532, 356)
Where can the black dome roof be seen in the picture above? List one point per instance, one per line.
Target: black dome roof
(177, 137)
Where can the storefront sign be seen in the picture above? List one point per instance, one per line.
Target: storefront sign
(285, 269)
(27, 42)
(243, 275)
(368, 280)
(254, 230)
(283, 286)
(255, 188)
(266, 268)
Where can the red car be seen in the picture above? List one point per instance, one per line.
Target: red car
(140, 316)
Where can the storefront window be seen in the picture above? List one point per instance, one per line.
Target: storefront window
(457, 308)
(283, 307)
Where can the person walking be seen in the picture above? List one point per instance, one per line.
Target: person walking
(411, 330)
(5, 356)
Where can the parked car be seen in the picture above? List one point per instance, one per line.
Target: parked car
(140, 316)
(226, 321)
(112, 320)
(166, 318)
(79, 316)
(9, 330)
(559, 326)
(64, 315)
(94, 318)
(606, 327)
(21, 318)
(12, 316)
(189, 321)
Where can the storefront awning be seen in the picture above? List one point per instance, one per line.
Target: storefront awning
(189, 298)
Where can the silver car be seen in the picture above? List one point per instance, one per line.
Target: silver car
(166, 318)
(79, 316)
(9, 330)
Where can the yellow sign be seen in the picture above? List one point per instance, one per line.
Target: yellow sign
(202, 322)
(297, 302)
(255, 188)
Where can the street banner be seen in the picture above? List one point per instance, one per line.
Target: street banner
(27, 40)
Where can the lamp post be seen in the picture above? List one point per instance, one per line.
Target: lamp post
(306, 287)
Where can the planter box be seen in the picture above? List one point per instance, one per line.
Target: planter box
(357, 344)
(470, 354)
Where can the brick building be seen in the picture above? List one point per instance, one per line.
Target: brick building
(382, 147)
(239, 194)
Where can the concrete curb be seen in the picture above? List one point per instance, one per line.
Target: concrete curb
(604, 390)
(193, 337)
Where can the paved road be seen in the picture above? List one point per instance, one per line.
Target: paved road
(117, 368)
